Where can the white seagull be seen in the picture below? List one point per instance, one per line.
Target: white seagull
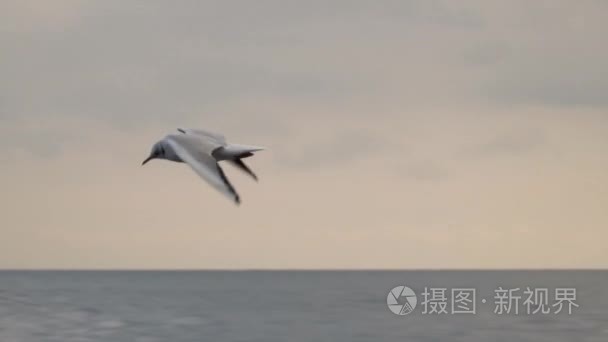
(202, 150)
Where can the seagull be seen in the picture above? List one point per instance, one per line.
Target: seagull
(202, 150)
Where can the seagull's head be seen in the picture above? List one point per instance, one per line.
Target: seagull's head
(158, 152)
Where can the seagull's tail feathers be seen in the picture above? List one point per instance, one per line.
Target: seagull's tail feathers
(235, 151)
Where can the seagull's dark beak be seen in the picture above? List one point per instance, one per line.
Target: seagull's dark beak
(147, 160)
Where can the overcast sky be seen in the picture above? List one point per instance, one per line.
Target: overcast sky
(400, 134)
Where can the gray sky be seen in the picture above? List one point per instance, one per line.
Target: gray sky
(401, 134)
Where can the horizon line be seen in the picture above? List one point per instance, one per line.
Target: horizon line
(498, 269)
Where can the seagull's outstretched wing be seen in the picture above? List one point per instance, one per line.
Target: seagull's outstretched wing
(220, 139)
(195, 152)
(243, 167)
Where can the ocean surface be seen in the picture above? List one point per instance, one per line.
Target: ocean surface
(151, 306)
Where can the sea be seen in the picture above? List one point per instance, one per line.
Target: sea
(417, 305)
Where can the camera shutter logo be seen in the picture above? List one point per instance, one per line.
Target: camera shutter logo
(401, 300)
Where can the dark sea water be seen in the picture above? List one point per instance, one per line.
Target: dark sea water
(286, 306)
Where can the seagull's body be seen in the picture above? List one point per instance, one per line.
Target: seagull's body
(202, 150)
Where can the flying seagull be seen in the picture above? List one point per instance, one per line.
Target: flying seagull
(202, 150)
